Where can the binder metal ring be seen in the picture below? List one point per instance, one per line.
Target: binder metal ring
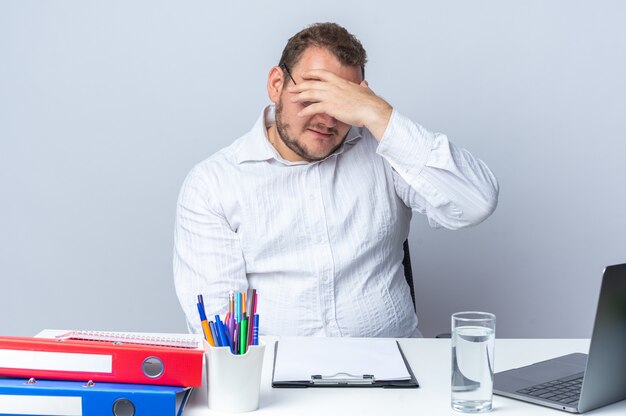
(123, 407)
(152, 367)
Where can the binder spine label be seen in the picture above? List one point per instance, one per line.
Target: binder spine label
(15, 404)
(55, 361)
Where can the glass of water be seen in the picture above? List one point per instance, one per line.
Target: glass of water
(473, 340)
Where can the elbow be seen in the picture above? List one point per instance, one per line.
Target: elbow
(481, 209)
(488, 207)
(471, 213)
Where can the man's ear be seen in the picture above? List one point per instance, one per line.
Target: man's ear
(275, 81)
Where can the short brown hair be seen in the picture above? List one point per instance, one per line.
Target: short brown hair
(336, 39)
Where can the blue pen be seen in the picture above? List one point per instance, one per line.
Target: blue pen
(218, 329)
(255, 334)
(205, 325)
(215, 334)
(226, 335)
(222, 331)
(218, 333)
(201, 311)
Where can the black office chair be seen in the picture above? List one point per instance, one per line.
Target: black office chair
(408, 274)
(408, 271)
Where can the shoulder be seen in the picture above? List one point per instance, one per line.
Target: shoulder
(220, 165)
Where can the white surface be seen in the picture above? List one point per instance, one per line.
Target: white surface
(330, 356)
(430, 361)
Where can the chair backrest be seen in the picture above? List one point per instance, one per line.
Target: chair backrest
(408, 274)
(408, 271)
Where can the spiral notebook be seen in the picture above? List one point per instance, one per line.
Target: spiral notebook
(101, 356)
(179, 341)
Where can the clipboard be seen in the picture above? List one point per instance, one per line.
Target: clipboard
(324, 348)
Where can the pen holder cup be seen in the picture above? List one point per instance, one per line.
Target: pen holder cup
(234, 381)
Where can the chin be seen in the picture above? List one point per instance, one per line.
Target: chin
(322, 152)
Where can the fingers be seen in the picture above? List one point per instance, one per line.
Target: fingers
(321, 75)
(319, 78)
(308, 96)
(313, 109)
(307, 86)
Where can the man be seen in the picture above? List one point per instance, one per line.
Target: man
(312, 206)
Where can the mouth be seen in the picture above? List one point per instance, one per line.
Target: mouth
(321, 134)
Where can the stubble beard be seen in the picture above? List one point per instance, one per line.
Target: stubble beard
(293, 144)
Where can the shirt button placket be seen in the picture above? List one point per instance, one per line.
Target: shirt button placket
(326, 262)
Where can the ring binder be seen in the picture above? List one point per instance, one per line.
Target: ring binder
(73, 398)
(46, 358)
(342, 378)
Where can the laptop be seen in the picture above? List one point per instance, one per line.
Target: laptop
(578, 383)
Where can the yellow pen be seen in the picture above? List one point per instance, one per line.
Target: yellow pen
(205, 325)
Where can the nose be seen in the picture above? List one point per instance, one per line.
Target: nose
(326, 120)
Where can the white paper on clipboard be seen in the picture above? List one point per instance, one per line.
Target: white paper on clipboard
(298, 359)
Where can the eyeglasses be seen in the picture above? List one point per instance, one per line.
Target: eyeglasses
(284, 66)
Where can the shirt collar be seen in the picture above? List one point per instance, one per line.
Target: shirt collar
(256, 146)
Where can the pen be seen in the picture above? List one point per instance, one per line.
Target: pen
(231, 303)
(244, 333)
(205, 325)
(256, 302)
(251, 316)
(220, 333)
(214, 334)
(238, 307)
(231, 331)
(220, 338)
(221, 329)
(251, 303)
(255, 335)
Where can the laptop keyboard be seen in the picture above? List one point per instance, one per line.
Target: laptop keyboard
(565, 390)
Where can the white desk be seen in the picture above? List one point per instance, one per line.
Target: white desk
(430, 361)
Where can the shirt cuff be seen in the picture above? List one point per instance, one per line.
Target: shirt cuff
(406, 146)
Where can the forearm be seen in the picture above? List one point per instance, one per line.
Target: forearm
(452, 187)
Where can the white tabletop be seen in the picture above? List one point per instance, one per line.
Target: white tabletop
(430, 361)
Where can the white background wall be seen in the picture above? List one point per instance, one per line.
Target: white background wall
(105, 106)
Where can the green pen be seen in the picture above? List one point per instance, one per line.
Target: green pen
(243, 335)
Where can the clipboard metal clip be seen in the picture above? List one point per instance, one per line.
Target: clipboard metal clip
(342, 378)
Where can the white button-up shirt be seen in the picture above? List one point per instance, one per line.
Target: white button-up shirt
(321, 242)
